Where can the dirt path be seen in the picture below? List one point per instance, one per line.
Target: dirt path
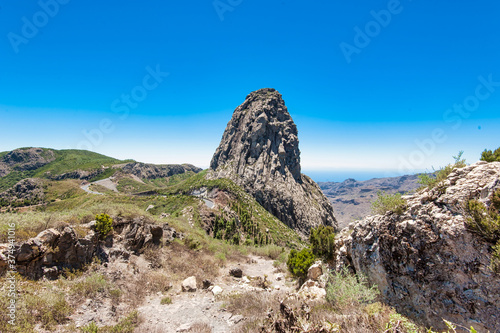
(202, 307)
(107, 183)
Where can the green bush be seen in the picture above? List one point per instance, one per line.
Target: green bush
(486, 223)
(436, 179)
(344, 289)
(495, 258)
(299, 262)
(483, 221)
(489, 156)
(322, 241)
(103, 224)
(388, 202)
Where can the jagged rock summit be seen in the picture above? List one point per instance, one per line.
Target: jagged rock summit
(260, 152)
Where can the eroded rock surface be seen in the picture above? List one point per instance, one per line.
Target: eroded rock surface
(260, 152)
(426, 262)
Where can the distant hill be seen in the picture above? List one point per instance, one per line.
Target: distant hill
(54, 164)
(352, 199)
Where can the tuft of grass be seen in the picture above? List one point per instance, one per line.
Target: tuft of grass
(166, 300)
(345, 290)
(388, 203)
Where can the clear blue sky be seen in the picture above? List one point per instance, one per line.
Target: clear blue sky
(363, 80)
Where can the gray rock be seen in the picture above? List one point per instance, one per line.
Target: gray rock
(425, 262)
(260, 152)
(236, 272)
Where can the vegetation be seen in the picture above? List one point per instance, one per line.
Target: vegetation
(489, 156)
(103, 224)
(438, 177)
(322, 241)
(486, 222)
(349, 290)
(388, 203)
(299, 262)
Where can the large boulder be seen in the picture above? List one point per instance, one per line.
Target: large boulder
(260, 152)
(426, 262)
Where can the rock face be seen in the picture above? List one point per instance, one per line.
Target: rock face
(425, 261)
(29, 190)
(151, 171)
(53, 250)
(260, 152)
(25, 160)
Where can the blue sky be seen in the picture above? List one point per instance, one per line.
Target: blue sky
(375, 87)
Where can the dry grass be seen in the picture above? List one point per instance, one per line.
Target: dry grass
(200, 328)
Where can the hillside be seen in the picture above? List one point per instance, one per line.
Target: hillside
(352, 199)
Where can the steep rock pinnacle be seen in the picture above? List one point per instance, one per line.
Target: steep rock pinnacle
(260, 152)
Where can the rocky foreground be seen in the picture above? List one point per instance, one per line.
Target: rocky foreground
(426, 262)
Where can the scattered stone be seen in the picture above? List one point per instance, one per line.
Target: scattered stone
(279, 276)
(189, 284)
(314, 272)
(216, 290)
(184, 327)
(236, 272)
(236, 319)
(206, 284)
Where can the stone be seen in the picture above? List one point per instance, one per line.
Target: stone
(189, 284)
(259, 151)
(279, 276)
(426, 262)
(184, 327)
(216, 290)
(236, 319)
(314, 272)
(236, 272)
(48, 237)
(206, 284)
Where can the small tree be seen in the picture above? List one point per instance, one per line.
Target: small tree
(388, 202)
(299, 262)
(489, 156)
(322, 241)
(103, 224)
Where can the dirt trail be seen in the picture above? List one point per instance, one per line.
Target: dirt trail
(107, 183)
(202, 306)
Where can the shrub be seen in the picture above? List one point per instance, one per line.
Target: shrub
(489, 156)
(322, 241)
(495, 258)
(486, 223)
(388, 202)
(166, 300)
(433, 180)
(483, 221)
(344, 289)
(299, 262)
(103, 224)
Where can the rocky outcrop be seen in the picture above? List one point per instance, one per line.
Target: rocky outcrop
(29, 191)
(25, 159)
(54, 250)
(426, 262)
(260, 152)
(152, 171)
